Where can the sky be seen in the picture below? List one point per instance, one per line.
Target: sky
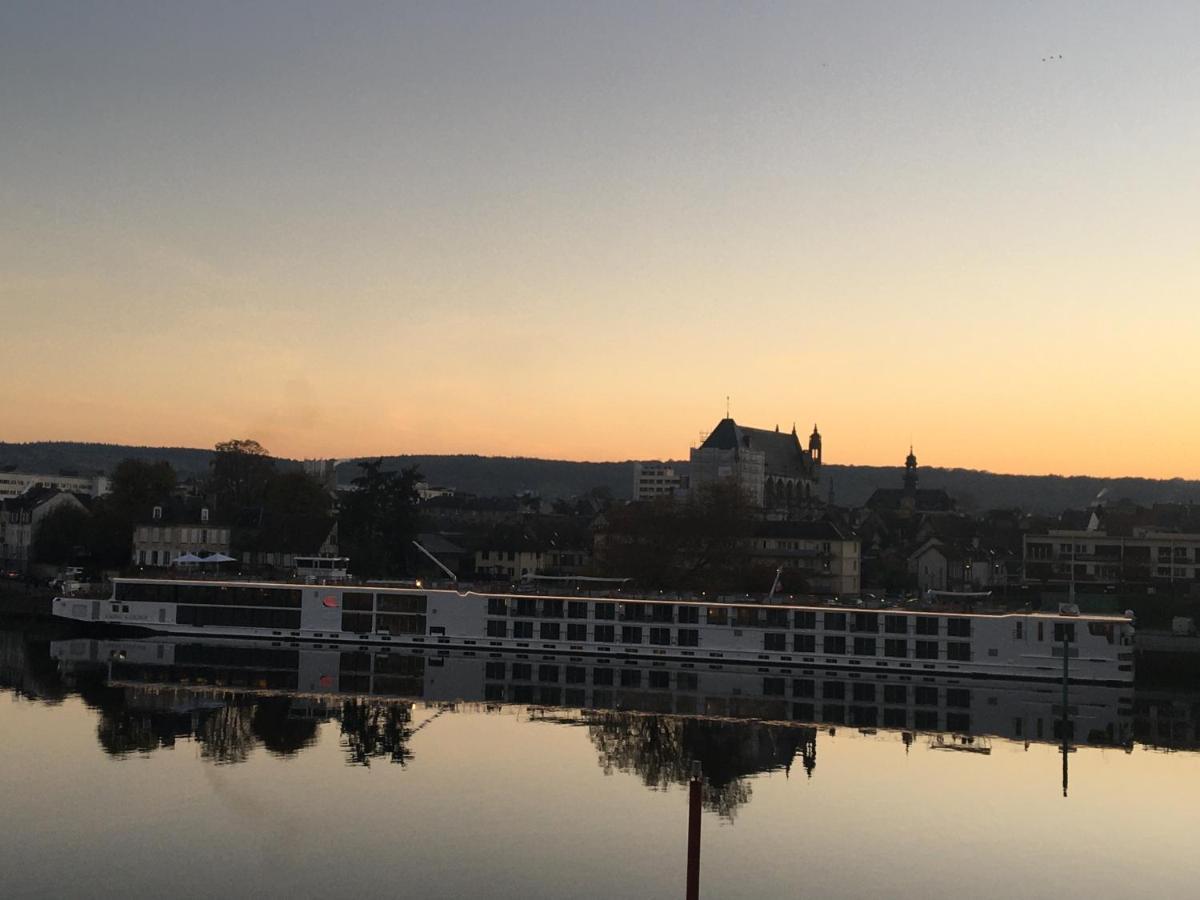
(572, 230)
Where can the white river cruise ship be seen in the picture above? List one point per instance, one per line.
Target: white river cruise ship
(923, 639)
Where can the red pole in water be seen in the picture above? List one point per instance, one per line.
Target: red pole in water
(695, 788)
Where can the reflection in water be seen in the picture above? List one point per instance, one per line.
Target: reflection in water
(645, 718)
(661, 751)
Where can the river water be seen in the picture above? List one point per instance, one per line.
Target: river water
(161, 769)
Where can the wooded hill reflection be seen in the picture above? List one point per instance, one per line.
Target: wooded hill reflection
(645, 718)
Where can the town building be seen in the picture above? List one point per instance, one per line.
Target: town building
(655, 479)
(175, 529)
(910, 499)
(13, 484)
(21, 517)
(773, 468)
(944, 565)
(1092, 557)
(822, 554)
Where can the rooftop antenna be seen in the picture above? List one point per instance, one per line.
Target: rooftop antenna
(727, 406)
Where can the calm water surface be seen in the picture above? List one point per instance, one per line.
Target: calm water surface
(159, 769)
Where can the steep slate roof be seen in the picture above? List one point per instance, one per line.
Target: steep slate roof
(783, 452)
(35, 496)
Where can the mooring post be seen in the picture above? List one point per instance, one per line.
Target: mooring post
(695, 790)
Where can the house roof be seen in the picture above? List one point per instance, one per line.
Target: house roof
(926, 499)
(35, 496)
(823, 530)
(783, 453)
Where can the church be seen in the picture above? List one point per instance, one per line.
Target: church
(910, 499)
(774, 468)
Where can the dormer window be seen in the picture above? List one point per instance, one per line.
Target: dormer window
(204, 514)
(157, 513)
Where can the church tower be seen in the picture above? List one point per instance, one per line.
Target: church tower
(910, 472)
(814, 446)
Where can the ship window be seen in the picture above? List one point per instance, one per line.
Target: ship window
(497, 606)
(577, 632)
(631, 678)
(577, 609)
(958, 627)
(548, 673)
(835, 621)
(717, 615)
(924, 695)
(662, 612)
(497, 628)
(602, 676)
(959, 698)
(605, 611)
(1064, 632)
(927, 625)
(774, 687)
(551, 631)
(776, 641)
(926, 650)
(400, 603)
(605, 634)
(805, 619)
(959, 651)
(552, 609)
(689, 615)
(631, 634)
(660, 636)
(833, 690)
(897, 648)
(863, 692)
(804, 687)
(804, 643)
(358, 601)
(523, 630)
(835, 644)
(895, 624)
(522, 671)
(688, 637)
(864, 646)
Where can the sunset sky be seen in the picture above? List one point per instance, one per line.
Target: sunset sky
(571, 230)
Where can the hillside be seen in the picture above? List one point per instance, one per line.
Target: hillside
(502, 476)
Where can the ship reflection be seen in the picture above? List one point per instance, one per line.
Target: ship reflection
(643, 718)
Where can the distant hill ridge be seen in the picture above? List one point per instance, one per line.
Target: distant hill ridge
(506, 475)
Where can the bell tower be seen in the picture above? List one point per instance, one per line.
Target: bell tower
(814, 446)
(910, 472)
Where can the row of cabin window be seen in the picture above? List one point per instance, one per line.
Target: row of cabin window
(1064, 631)
(684, 681)
(232, 677)
(206, 595)
(601, 634)
(893, 648)
(738, 616)
(243, 657)
(241, 617)
(363, 601)
(394, 623)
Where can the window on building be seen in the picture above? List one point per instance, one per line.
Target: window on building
(776, 641)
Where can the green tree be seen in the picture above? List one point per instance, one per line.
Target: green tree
(61, 536)
(378, 520)
(138, 485)
(296, 514)
(240, 471)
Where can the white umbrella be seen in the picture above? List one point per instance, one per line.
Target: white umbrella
(217, 558)
(186, 559)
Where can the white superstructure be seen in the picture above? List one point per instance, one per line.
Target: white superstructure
(910, 641)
